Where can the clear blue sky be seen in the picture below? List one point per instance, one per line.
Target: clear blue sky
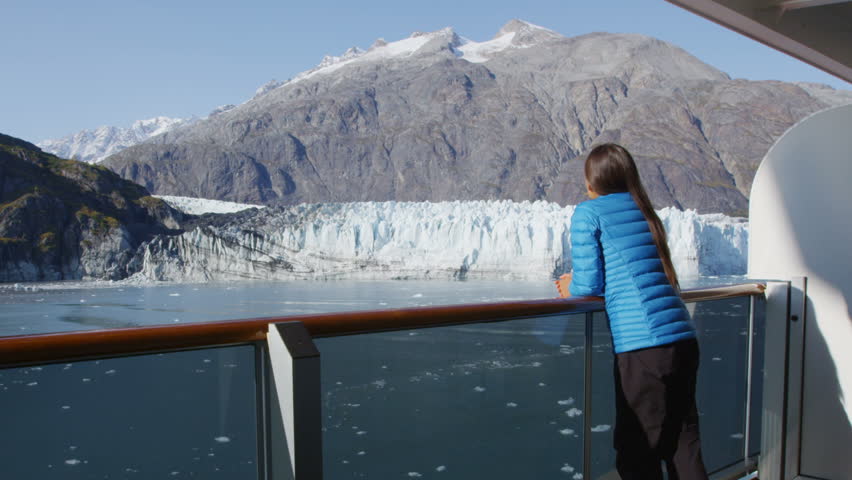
(73, 65)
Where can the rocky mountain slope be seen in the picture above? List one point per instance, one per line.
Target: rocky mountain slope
(63, 219)
(438, 117)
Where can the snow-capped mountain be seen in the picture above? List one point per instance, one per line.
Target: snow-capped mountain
(414, 240)
(436, 116)
(92, 146)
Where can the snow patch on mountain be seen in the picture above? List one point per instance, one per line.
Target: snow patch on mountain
(200, 206)
(221, 109)
(516, 33)
(92, 146)
(380, 50)
(267, 87)
(480, 52)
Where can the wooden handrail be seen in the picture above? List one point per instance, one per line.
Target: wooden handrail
(66, 346)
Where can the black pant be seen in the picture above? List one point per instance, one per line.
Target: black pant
(655, 415)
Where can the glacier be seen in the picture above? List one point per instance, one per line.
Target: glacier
(401, 240)
(200, 206)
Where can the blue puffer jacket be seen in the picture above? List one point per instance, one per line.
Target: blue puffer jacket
(614, 256)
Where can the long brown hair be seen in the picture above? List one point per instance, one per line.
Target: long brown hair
(610, 169)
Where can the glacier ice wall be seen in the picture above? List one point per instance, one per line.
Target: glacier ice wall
(416, 240)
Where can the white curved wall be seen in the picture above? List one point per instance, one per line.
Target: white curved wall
(801, 225)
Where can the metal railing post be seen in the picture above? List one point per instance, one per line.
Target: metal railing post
(295, 362)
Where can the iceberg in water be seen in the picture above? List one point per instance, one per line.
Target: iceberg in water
(417, 240)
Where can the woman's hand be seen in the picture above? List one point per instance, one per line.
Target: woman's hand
(562, 285)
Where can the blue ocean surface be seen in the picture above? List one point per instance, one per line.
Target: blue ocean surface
(32, 308)
(493, 400)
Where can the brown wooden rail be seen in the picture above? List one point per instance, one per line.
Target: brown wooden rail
(61, 347)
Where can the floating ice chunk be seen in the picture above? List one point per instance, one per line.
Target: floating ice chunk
(542, 384)
(86, 380)
(738, 436)
(361, 432)
(222, 439)
(380, 383)
(110, 372)
(573, 412)
(567, 468)
(511, 404)
(362, 453)
(566, 431)
(32, 384)
(536, 364)
(717, 359)
(66, 407)
(601, 428)
(566, 403)
(417, 295)
(207, 360)
(72, 461)
(414, 474)
(478, 389)
(174, 294)
(578, 476)
(440, 468)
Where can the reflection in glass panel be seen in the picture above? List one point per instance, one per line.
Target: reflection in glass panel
(758, 336)
(495, 400)
(185, 414)
(722, 327)
(722, 334)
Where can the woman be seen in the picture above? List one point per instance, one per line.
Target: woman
(619, 251)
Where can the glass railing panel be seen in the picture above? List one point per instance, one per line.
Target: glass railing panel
(189, 414)
(759, 344)
(494, 400)
(722, 327)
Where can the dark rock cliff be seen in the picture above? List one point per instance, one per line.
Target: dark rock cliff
(63, 219)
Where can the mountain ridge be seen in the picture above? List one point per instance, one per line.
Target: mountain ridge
(427, 118)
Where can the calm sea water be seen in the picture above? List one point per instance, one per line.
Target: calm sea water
(501, 400)
(69, 306)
